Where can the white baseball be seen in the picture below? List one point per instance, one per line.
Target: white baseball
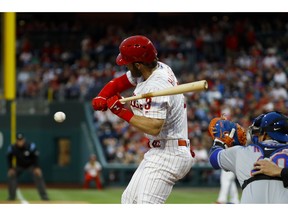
(59, 116)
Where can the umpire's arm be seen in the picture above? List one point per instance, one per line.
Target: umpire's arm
(10, 157)
(34, 155)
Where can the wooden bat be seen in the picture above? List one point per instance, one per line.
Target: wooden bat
(179, 89)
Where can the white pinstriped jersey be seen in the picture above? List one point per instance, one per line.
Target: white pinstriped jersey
(170, 108)
(240, 160)
(162, 166)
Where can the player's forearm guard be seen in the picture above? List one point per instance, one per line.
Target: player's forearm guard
(117, 85)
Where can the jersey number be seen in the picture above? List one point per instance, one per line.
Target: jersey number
(148, 103)
(281, 159)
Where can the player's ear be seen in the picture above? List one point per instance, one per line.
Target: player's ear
(262, 137)
(137, 65)
(266, 136)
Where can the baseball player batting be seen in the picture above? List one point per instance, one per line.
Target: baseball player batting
(269, 142)
(163, 119)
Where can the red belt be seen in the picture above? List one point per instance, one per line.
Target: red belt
(157, 143)
(182, 143)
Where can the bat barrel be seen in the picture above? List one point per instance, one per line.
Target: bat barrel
(180, 89)
(205, 84)
(198, 86)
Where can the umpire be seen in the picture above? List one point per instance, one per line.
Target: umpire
(26, 156)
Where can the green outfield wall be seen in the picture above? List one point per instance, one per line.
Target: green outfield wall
(62, 146)
(65, 147)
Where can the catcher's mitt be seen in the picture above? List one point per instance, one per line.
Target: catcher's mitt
(228, 132)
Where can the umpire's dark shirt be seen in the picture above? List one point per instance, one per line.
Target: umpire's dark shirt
(26, 156)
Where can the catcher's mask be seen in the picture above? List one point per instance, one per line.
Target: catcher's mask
(275, 124)
(254, 128)
(136, 48)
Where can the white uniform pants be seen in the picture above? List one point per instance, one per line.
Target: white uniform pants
(228, 188)
(156, 175)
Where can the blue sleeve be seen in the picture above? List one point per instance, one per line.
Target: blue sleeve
(34, 154)
(32, 147)
(9, 149)
(213, 156)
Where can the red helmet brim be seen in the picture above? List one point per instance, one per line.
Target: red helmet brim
(120, 61)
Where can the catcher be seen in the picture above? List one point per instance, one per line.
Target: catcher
(230, 153)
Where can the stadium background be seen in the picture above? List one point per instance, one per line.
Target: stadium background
(64, 59)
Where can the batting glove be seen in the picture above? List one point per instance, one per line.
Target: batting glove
(99, 103)
(118, 109)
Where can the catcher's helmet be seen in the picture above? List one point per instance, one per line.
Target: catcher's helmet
(275, 124)
(136, 48)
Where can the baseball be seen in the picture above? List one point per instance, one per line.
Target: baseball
(59, 116)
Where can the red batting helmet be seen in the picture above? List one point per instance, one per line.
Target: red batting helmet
(136, 48)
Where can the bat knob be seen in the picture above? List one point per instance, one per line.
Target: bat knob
(121, 101)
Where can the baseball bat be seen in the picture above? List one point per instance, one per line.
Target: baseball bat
(179, 89)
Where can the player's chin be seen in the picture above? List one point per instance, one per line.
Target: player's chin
(135, 72)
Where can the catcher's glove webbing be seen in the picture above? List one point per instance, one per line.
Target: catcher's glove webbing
(226, 131)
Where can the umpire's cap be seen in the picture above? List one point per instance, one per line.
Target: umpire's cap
(19, 136)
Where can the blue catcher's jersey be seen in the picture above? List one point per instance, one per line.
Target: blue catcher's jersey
(240, 160)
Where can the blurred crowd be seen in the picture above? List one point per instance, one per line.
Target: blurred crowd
(244, 60)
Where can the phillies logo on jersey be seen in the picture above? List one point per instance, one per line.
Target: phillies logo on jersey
(138, 105)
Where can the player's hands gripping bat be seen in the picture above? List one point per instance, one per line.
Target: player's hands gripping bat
(227, 132)
(118, 109)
